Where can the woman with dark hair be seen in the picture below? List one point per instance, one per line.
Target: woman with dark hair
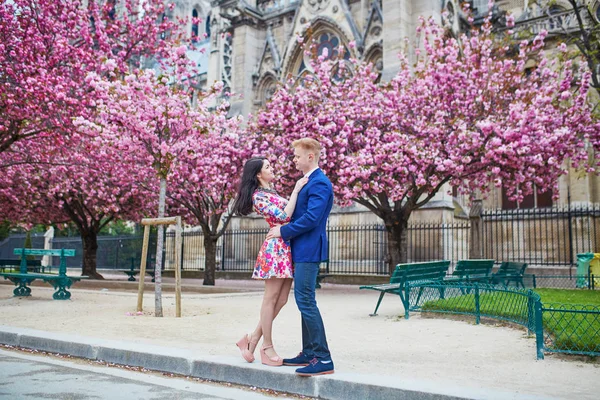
(274, 261)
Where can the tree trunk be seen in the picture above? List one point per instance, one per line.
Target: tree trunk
(397, 231)
(90, 249)
(159, 251)
(210, 263)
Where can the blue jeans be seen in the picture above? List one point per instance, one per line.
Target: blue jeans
(314, 342)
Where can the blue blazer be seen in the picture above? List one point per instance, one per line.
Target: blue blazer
(308, 227)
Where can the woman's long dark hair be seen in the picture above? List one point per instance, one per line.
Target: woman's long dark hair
(243, 201)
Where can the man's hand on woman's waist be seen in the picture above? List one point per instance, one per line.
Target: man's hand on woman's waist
(275, 232)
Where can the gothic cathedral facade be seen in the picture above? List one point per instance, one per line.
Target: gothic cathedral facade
(251, 45)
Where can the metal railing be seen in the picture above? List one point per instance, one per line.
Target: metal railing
(558, 327)
(571, 328)
(554, 23)
(541, 236)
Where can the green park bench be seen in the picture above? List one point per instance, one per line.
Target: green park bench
(406, 275)
(60, 282)
(473, 271)
(508, 272)
(32, 265)
(132, 271)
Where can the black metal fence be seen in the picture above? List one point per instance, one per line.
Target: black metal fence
(546, 239)
(16, 241)
(541, 236)
(434, 241)
(357, 249)
(239, 249)
(586, 281)
(114, 252)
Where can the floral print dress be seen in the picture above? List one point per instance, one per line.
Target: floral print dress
(275, 256)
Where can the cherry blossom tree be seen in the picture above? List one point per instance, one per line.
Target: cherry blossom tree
(153, 123)
(40, 64)
(47, 47)
(205, 180)
(466, 113)
(83, 180)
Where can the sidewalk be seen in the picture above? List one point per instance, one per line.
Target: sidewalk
(376, 357)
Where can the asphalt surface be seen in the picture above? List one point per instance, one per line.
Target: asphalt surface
(33, 377)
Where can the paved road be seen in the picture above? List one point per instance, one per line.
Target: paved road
(32, 377)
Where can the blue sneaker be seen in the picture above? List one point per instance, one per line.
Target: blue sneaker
(316, 367)
(298, 361)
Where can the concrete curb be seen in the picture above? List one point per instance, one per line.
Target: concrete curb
(342, 386)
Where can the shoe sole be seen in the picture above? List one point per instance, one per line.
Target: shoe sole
(296, 365)
(248, 357)
(315, 374)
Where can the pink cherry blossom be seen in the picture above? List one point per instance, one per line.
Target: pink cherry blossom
(465, 114)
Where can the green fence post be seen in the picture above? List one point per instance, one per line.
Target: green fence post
(530, 312)
(539, 330)
(477, 308)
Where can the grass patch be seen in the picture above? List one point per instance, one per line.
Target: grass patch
(503, 305)
(571, 317)
(568, 330)
(569, 296)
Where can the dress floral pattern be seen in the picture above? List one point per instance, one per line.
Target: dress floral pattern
(275, 256)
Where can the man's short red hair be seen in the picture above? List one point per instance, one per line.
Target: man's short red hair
(308, 144)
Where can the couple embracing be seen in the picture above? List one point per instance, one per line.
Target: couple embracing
(300, 221)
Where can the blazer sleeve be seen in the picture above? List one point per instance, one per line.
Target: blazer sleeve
(318, 198)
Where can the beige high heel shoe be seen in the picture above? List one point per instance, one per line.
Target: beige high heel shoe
(244, 345)
(270, 361)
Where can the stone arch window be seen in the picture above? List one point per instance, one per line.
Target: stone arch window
(330, 42)
(112, 10)
(326, 38)
(375, 56)
(266, 89)
(195, 25)
(163, 34)
(451, 12)
(207, 26)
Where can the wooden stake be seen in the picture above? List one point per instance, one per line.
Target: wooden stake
(143, 267)
(178, 262)
(160, 221)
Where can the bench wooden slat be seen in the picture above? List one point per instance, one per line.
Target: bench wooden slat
(404, 274)
(510, 271)
(44, 252)
(473, 269)
(384, 286)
